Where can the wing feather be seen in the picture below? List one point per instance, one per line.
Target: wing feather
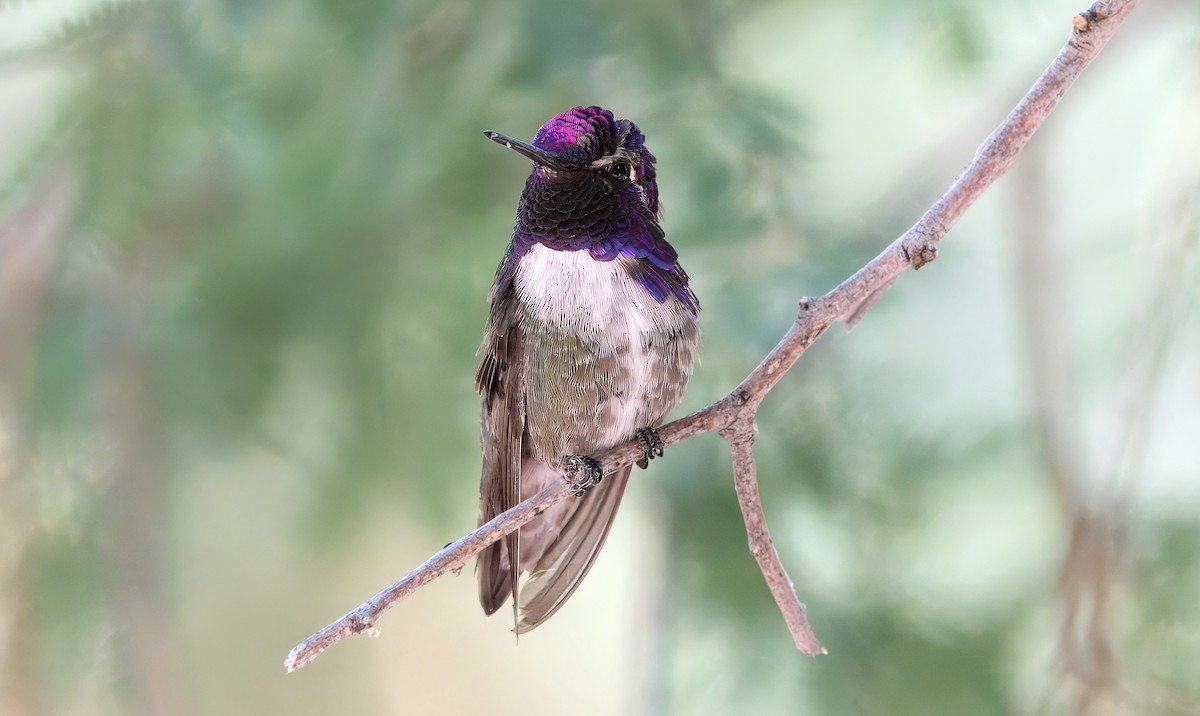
(500, 382)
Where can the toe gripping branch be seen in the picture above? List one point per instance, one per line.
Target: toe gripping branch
(582, 473)
(652, 445)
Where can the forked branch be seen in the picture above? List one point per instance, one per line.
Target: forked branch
(733, 415)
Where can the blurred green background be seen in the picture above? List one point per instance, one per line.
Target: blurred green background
(244, 255)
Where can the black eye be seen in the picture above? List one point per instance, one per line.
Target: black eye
(619, 171)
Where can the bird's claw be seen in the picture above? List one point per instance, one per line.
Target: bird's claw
(652, 446)
(582, 473)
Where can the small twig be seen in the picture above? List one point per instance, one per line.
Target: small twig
(745, 481)
(452, 557)
(733, 415)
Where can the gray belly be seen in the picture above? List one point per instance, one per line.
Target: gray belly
(602, 357)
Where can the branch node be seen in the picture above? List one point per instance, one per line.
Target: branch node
(1098, 12)
(360, 623)
(742, 430)
(809, 314)
(919, 250)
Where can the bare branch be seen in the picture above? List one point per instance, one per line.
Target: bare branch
(451, 559)
(733, 415)
(745, 481)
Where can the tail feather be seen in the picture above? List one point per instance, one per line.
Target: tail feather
(560, 568)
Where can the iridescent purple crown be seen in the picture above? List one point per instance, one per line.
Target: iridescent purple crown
(584, 134)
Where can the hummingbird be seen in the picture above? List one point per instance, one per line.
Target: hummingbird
(589, 343)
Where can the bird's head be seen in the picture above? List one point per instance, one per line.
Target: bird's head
(587, 161)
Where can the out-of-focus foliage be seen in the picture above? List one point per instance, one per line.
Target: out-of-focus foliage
(244, 256)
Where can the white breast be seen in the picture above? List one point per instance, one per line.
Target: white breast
(605, 305)
(571, 287)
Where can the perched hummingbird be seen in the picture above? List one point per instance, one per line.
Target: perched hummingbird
(589, 343)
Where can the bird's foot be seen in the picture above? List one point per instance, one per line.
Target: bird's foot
(652, 445)
(582, 473)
